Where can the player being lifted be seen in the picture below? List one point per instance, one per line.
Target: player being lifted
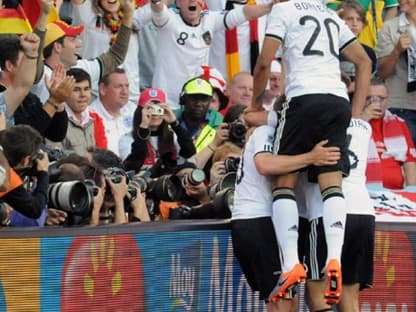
(317, 108)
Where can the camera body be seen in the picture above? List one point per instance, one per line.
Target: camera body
(157, 110)
(115, 174)
(54, 154)
(237, 132)
(231, 164)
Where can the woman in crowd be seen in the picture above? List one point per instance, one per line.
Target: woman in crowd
(152, 138)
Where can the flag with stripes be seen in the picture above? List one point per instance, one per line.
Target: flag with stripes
(14, 21)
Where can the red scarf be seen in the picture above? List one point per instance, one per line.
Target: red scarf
(150, 159)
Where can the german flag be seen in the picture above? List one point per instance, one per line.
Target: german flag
(14, 21)
(32, 9)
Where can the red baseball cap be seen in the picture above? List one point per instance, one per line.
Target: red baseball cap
(151, 94)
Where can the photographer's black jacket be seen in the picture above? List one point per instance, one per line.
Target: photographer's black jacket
(31, 113)
(27, 203)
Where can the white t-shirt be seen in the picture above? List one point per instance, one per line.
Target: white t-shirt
(354, 188)
(182, 48)
(96, 40)
(115, 127)
(253, 194)
(92, 67)
(311, 37)
(217, 51)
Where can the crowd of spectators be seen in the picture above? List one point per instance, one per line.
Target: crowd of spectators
(91, 137)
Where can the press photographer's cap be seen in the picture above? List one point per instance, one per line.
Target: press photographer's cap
(197, 86)
(151, 94)
(58, 29)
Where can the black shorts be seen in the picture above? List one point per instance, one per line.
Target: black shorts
(357, 252)
(255, 247)
(308, 119)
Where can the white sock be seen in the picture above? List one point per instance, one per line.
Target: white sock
(334, 215)
(285, 220)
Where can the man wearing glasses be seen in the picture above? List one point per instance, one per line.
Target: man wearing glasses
(396, 167)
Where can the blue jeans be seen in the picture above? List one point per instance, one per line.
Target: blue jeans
(409, 115)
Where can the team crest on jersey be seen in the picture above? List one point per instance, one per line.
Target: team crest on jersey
(207, 37)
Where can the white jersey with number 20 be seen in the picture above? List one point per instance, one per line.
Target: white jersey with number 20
(312, 37)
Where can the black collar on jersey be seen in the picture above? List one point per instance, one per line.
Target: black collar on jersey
(188, 23)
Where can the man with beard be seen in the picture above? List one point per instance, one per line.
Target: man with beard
(195, 116)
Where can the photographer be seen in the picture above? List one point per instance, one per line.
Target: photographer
(196, 202)
(117, 201)
(21, 145)
(152, 138)
(70, 197)
(224, 160)
(115, 196)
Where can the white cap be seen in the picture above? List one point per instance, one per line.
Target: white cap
(213, 76)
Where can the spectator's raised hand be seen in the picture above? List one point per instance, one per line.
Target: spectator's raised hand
(128, 7)
(404, 41)
(58, 4)
(30, 43)
(169, 115)
(146, 116)
(46, 6)
(59, 84)
(372, 111)
(325, 156)
(221, 134)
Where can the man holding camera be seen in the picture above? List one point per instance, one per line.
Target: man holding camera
(115, 195)
(21, 146)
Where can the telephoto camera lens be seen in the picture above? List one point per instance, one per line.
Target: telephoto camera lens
(195, 177)
(91, 186)
(227, 181)
(72, 197)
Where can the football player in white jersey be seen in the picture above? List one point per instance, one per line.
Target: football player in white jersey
(358, 248)
(311, 37)
(254, 240)
(185, 37)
